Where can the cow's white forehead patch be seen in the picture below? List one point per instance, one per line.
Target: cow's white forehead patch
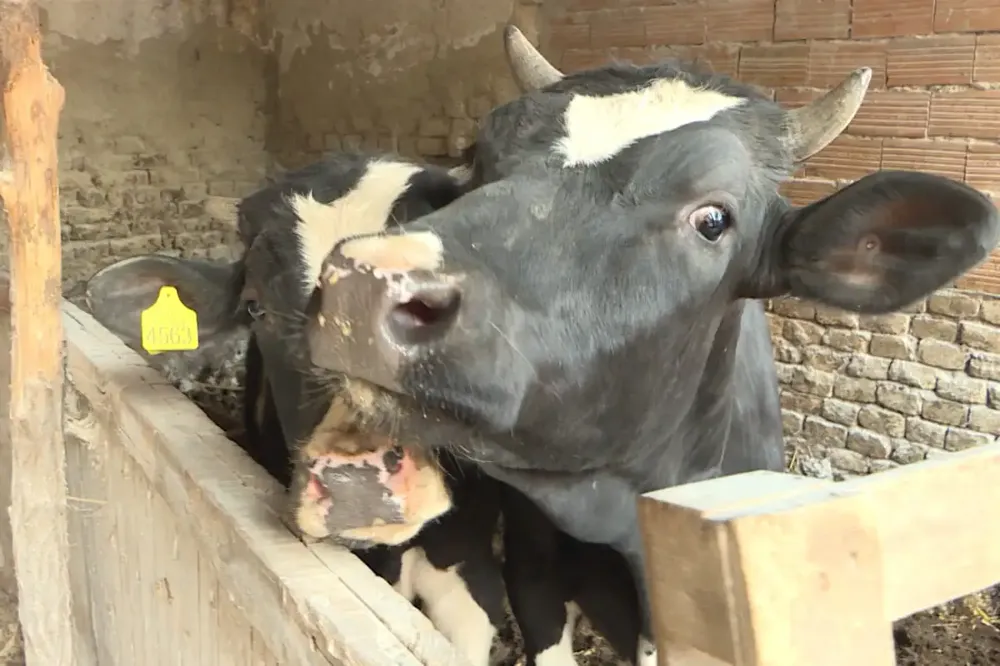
(422, 250)
(598, 128)
(365, 209)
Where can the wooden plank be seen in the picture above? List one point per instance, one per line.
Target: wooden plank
(92, 526)
(415, 631)
(232, 509)
(32, 102)
(937, 543)
(86, 502)
(7, 580)
(768, 568)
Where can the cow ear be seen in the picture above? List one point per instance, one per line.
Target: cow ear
(887, 240)
(118, 294)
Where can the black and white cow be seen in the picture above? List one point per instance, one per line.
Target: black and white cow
(553, 579)
(586, 323)
(436, 549)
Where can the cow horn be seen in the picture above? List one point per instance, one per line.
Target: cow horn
(812, 127)
(530, 68)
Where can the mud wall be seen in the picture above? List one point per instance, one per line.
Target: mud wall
(411, 77)
(166, 105)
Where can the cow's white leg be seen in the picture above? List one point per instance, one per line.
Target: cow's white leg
(452, 609)
(561, 654)
(646, 653)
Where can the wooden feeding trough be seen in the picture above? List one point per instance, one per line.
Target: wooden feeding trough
(177, 554)
(139, 533)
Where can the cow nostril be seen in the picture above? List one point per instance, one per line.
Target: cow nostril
(418, 312)
(425, 315)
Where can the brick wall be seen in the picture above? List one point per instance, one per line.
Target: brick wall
(859, 394)
(148, 135)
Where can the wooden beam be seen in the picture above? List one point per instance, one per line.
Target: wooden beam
(767, 568)
(32, 101)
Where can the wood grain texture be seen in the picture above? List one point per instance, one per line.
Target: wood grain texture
(205, 559)
(32, 101)
(767, 568)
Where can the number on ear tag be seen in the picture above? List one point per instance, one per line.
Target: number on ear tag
(168, 324)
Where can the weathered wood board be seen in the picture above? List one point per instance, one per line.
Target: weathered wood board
(772, 569)
(178, 553)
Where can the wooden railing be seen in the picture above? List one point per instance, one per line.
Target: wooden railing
(770, 569)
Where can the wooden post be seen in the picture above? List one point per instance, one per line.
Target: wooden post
(739, 578)
(32, 101)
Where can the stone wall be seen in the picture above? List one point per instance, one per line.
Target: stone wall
(860, 394)
(865, 393)
(165, 107)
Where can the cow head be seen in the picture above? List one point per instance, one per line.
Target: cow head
(622, 208)
(354, 476)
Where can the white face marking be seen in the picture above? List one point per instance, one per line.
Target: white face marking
(645, 653)
(448, 605)
(397, 254)
(561, 654)
(598, 128)
(365, 209)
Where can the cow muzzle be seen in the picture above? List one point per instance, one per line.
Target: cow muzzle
(382, 303)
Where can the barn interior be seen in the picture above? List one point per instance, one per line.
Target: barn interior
(175, 106)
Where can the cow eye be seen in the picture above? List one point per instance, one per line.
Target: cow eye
(254, 309)
(710, 222)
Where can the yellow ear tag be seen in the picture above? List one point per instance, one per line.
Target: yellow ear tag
(168, 324)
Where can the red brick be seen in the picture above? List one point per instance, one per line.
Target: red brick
(987, 64)
(564, 36)
(719, 58)
(603, 4)
(890, 18)
(945, 158)
(892, 114)
(831, 62)
(740, 20)
(617, 27)
(985, 277)
(812, 19)
(802, 192)
(845, 158)
(933, 61)
(684, 23)
(966, 15)
(586, 5)
(575, 60)
(793, 99)
(972, 113)
(982, 169)
(775, 65)
(636, 55)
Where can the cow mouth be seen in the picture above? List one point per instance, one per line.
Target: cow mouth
(315, 488)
